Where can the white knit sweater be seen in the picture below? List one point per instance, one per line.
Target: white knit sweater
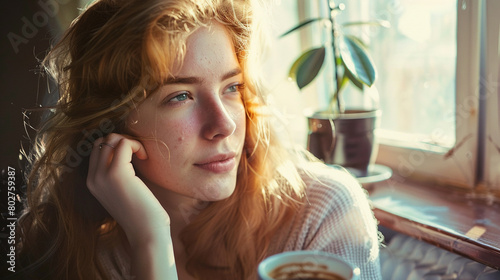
(336, 218)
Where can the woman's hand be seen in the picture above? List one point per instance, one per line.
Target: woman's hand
(112, 180)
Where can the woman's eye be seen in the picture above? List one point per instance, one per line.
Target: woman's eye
(179, 98)
(234, 88)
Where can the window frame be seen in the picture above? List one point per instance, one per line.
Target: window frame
(490, 82)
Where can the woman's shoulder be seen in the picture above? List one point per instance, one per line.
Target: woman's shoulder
(326, 184)
(336, 217)
(334, 205)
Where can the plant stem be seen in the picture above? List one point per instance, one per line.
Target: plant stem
(336, 97)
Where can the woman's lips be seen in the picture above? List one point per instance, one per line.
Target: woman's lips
(223, 165)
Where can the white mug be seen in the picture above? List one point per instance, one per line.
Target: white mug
(306, 264)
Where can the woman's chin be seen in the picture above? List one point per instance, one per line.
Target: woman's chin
(217, 193)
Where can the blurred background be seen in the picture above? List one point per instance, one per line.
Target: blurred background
(28, 29)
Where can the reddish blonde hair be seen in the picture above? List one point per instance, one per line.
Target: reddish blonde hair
(113, 56)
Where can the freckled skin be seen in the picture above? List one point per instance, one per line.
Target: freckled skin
(188, 132)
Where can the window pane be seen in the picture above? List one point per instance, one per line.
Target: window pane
(416, 62)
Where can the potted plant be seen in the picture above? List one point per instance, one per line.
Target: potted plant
(340, 135)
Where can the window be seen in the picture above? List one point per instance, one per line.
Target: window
(416, 62)
(428, 65)
(436, 124)
(287, 100)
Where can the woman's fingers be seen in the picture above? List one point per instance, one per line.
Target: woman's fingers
(106, 148)
(124, 150)
(100, 157)
(112, 180)
(112, 156)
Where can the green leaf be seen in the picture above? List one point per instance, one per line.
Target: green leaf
(307, 66)
(302, 24)
(357, 60)
(359, 41)
(349, 76)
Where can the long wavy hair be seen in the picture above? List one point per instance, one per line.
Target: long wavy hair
(113, 56)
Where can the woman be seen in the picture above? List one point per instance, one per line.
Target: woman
(158, 161)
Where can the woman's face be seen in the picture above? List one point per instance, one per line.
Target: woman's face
(197, 121)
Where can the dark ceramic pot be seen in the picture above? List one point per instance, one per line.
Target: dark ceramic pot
(347, 139)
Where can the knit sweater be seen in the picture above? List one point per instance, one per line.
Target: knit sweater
(336, 217)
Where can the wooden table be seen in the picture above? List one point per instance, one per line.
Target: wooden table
(463, 222)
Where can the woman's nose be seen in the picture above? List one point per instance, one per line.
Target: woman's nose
(218, 121)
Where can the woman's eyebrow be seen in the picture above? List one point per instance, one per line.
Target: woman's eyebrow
(197, 80)
(231, 74)
(183, 80)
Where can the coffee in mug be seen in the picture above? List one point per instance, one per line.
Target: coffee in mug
(306, 265)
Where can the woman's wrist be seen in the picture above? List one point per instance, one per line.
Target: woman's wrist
(140, 237)
(153, 255)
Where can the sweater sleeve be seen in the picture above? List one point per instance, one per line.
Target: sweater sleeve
(337, 218)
